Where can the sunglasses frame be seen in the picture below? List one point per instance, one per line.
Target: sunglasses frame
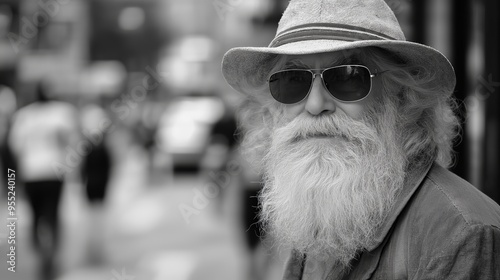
(323, 81)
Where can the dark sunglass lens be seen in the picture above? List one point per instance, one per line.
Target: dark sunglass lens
(348, 83)
(291, 86)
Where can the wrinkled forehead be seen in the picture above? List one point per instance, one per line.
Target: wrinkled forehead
(325, 60)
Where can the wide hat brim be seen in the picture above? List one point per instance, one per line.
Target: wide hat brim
(245, 68)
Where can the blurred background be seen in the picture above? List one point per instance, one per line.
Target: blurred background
(118, 111)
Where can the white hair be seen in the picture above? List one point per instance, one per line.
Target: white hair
(427, 123)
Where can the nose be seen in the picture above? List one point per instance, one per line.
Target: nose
(319, 101)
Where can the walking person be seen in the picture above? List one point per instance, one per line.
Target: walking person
(42, 134)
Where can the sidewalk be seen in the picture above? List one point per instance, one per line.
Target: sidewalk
(146, 237)
(142, 233)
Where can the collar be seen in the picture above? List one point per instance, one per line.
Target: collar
(411, 183)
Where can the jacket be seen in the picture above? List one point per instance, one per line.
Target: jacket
(440, 228)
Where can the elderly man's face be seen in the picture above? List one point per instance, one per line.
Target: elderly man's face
(320, 101)
(325, 190)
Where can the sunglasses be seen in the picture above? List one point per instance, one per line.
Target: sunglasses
(347, 83)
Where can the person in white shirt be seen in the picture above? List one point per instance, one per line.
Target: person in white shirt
(42, 135)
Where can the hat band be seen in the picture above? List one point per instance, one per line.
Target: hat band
(339, 32)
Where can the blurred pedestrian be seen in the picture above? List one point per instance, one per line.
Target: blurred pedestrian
(96, 165)
(42, 134)
(8, 106)
(220, 152)
(96, 172)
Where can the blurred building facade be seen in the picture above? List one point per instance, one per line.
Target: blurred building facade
(182, 42)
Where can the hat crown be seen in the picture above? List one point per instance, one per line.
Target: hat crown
(348, 20)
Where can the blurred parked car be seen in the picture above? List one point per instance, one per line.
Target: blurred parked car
(184, 129)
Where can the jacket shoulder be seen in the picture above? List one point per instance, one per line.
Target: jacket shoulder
(451, 195)
(449, 222)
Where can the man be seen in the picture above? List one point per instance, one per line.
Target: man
(353, 127)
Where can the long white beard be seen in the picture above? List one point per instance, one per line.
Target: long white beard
(329, 183)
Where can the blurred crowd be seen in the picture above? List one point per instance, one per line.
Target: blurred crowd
(52, 144)
(122, 136)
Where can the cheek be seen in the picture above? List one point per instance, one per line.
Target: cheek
(356, 110)
(291, 111)
(377, 88)
(283, 114)
(353, 110)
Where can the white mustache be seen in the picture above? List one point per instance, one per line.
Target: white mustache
(328, 126)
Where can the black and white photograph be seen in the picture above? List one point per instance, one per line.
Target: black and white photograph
(249, 139)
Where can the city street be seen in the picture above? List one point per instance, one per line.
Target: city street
(139, 234)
